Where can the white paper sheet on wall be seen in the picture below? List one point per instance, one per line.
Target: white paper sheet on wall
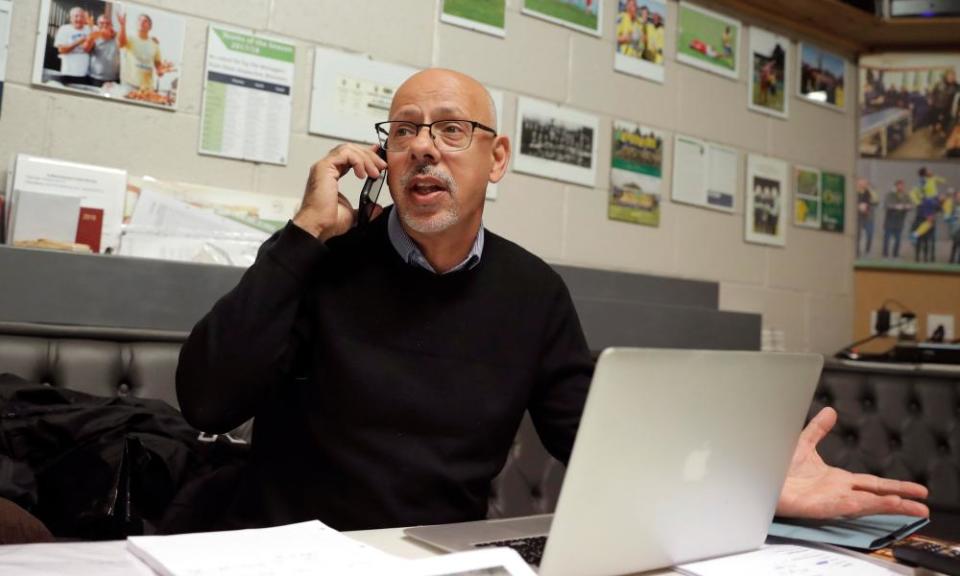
(6, 13)
(351, 93)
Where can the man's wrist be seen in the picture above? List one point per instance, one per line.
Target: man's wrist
(309, 226)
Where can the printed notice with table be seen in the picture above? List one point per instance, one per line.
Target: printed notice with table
(247, 97)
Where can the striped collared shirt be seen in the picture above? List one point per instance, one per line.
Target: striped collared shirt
(411, 254)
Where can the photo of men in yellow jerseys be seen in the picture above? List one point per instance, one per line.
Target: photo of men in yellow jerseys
(640, 29)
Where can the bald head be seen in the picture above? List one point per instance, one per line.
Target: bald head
(470, 96)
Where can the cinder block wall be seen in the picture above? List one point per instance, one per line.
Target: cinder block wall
(805, 289)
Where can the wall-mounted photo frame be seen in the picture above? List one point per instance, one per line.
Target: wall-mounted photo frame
(115, 50)
(636, 174)
(641, 38)
(769, 79)
(487, 16)
(768, 198)
(821, 77)
(581, 15)
(708, 40)
(807, 197)
(556, 142)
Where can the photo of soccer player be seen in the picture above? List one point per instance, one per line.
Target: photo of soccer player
(636, 174)
(487, 16)
(768, 73)
(115, 50)
(806, 206)
(708, 40)
(583, 15)
(640, 31)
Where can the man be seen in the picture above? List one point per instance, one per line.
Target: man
(630, 31)
(143, 63)
(101, 44)
(389, 366)
(866, 206)
(942, 99)
(896, 206)
(69, 40)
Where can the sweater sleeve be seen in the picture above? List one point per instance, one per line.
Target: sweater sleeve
(246, 344)
(565, 369)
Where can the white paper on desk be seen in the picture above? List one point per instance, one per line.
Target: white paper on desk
(786, 560)
(46, 216)
(487, 562)
(307, 548)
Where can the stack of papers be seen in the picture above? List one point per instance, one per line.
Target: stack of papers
(307, 548)
(787, 559)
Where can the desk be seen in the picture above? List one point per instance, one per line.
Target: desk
(880, 120)
(112, 559)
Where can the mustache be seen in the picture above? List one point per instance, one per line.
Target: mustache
(429, 170)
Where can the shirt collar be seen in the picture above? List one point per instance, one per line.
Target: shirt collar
(411, 254)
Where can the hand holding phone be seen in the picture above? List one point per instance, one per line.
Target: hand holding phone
(370, 193)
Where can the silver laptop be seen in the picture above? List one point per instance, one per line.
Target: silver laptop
(680, 456)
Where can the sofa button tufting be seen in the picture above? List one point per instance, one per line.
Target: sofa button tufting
(123, 389)
(913, 407)
(895, 443)
(867, 403)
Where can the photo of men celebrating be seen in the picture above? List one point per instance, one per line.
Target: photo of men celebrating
(640, 38)
(115, 50)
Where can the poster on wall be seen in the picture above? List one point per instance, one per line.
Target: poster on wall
(641, 33)
(768, 92)
(908, 212)
(115, 50)
(351, 93)
(487, 16)
(833, 191)
(704, 174)
(636, 174)
(556, 142)
(768, 196)
(908, 106)
(708, 40)
(583, 15)
(822, 77)
(6, 12)
(806, 203)
(246, 96)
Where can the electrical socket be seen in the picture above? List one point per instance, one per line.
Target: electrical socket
(945, 320)
(894, 331)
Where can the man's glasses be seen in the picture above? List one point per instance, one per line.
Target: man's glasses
(447, 135)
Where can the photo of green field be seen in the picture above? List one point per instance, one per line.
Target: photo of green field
(707, 41)
(578, 13)
(489, 12)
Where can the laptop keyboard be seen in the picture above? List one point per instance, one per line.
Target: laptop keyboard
(531, 549)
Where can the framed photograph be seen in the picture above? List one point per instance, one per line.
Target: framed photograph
(583, 15)
(636, 174)
(768, 91)
(556, 142)
(115, 50)
(704, 174)
(768, 196)
(487, 16)
(833, 192)
(908, 106)
(806, 204)
(708, 40)
(822, 77)
(641, 33)
(351, 93)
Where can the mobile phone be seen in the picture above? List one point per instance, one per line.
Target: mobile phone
(370, 193)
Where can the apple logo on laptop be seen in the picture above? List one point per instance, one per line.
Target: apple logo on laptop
(695, 464)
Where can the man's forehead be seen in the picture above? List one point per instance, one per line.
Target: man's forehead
(438, 93)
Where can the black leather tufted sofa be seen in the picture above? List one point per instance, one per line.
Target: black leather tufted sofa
(898, 423)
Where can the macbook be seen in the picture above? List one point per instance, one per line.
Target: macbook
(680, 456)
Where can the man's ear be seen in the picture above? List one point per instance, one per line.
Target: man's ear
(501, 158)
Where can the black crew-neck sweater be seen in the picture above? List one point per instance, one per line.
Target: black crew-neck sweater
(384, 395)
